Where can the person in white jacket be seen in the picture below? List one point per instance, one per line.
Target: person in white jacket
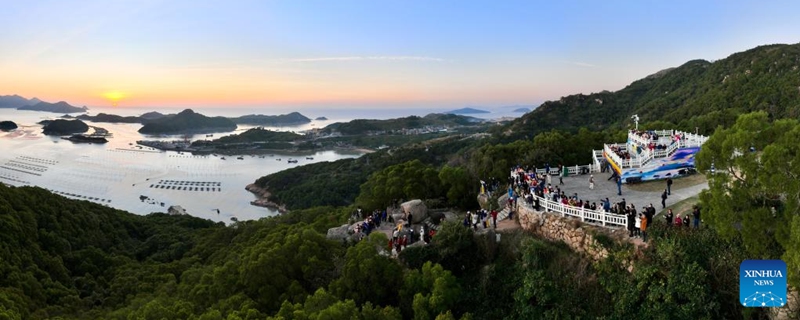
(638, 226)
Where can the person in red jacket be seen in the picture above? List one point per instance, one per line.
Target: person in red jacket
(678, 221)
(494, 218)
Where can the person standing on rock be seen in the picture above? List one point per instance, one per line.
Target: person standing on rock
(664, 199)
(494, 218)
(475, 221)
(591, 182)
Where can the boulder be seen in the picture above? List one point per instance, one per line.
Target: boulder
(338, 233)
(502, 201)
(483, 201)
(416, 208)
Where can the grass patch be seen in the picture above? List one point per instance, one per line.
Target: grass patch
(677, 184)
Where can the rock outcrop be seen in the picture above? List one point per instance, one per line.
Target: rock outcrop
(417, 210)
(339, 233)
(578, 236)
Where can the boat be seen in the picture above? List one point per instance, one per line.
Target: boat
(240, 158)
(279, 159)
(223, 158)
(80, 138)
(292, 161)
(309, 158)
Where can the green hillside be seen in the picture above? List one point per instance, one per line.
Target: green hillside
(70, 259)
(364, 126)
(696, 94)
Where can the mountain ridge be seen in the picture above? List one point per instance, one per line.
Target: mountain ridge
(697, 94)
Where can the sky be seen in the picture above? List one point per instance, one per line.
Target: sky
(363, 54)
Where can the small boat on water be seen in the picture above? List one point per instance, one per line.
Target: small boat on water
(223, 158)
(292, 161)
(309, 158)
(279, 159)
(240, 158)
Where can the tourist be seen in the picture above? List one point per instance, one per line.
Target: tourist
(696, 214)
(494, 217)
(669, 186)
(644, 227)
(668, 217)
(678, 220)
(475, 221)
(686, 220)
(631, 221)
(591, 182)
(664, 199)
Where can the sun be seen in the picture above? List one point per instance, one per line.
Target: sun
(114, 97)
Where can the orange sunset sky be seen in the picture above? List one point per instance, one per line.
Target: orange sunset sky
(361, 53)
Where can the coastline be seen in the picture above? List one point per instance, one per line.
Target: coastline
(263, 198)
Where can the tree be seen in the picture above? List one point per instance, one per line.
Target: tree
(367, 275)
(461, 188)
(409, 180)
(755, 191)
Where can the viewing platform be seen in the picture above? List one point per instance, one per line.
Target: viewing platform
(651, 155)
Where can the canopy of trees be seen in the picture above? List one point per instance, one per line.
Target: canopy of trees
(754, 191)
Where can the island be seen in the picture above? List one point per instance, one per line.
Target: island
(63, 127)
(111, 118)
(188, 122)
(467, 111)
(82, 138)
(16, 101)
(522, 110)
(291, 119)
(7, 125)
(59, 107)
(321, 119)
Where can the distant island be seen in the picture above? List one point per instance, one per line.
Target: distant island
(429, 123)
(187, 121)
(59, 107)
(16, 101)
(522, 110)
(7, 125)
(294, 118)
(81, 138)
(321, 119)
(152, 115)
(467, 111)
(112, 118)
(63, 127)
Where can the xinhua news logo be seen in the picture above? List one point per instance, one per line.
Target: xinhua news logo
(762, 283)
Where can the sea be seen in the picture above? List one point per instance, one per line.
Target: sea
(142, 180)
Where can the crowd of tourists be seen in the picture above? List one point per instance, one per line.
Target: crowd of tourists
(481, 218)
(532, 186)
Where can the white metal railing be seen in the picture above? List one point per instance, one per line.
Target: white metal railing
(638, 139)
(572, 170)
(586, 215)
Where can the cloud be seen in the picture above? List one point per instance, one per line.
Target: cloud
(367, 58)
(580, 64)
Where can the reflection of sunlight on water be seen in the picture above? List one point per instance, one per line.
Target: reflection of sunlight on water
(116, 174)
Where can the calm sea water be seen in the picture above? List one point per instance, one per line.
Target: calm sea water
(120, 175)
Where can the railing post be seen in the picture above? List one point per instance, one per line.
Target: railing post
(603, 214)
(583, 214)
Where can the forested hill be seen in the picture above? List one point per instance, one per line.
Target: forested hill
(696, 94)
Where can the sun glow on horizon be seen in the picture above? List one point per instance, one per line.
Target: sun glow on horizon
(114, 97)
